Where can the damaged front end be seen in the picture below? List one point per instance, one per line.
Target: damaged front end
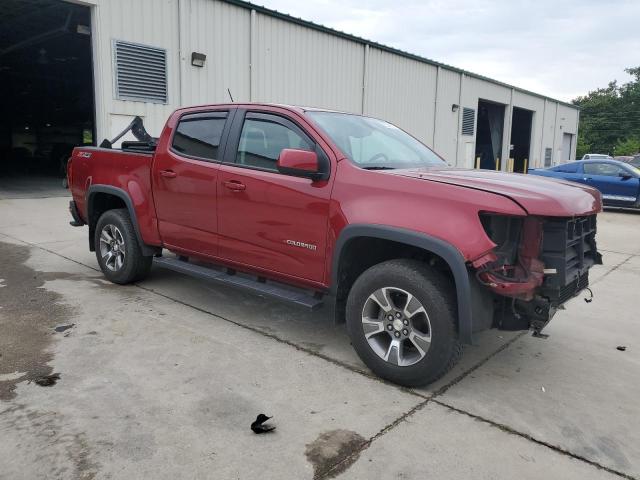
(537, 264)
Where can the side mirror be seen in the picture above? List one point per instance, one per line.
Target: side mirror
(299, 163)
(624, 176)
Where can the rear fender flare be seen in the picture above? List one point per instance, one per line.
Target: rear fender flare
(124, 196)
(450, 254)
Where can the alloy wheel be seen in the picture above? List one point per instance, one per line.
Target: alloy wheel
(396, 326)
(112, 247)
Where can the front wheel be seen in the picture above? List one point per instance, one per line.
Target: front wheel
(118, 250)
(401, 318)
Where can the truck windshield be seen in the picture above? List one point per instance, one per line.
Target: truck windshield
(374, 144)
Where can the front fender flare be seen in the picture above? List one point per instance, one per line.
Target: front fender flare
(450, 254)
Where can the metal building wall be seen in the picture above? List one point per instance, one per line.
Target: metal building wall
(567, 122)
(298, 65)
(149, 22)
(260, 57)
(447, 125)
(401, 91)
(223, 33)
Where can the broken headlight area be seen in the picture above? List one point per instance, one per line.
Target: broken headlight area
(537, 264)
(513, 267)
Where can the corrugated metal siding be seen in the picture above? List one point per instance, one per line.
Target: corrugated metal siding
(401, 91)
(297, 65)
(447, 121)
(149, 22)
(300, 65)
(548, 128)
(222, 32)
(475, 89)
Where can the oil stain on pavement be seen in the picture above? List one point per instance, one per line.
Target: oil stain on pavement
(333, 452)
(29, 314)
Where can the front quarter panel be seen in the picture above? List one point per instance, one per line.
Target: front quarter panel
(446, 212)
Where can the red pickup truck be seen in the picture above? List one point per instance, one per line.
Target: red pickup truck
(319, 207)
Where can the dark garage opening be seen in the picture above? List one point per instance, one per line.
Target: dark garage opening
(46, 81)
(489, 134)
(521, 138)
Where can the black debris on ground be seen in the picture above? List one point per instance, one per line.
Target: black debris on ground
(47, 380)
(62, 328)
(260, 427)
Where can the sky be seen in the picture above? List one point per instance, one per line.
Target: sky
(558, 48)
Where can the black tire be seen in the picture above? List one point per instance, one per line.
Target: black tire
(135, 266)
(435, 292)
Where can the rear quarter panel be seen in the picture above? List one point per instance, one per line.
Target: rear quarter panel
(130, 172)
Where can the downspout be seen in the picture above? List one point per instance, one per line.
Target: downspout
(180, 51)
(458, 134)
(365, 62)
(435, 108)
(252, 56)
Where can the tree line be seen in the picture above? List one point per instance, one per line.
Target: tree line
(610, 118)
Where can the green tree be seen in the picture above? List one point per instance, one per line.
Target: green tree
(610, 118)
(629, 146)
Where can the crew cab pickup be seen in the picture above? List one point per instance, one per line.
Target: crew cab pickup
(322, 208)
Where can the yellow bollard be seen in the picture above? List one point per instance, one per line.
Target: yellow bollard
(497, 163)
(477, 162)
(510, 165)
(526, 161)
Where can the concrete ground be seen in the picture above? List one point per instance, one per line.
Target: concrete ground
(162, 379)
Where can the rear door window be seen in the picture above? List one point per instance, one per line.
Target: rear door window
(198, 135)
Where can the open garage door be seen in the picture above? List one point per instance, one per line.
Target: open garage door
(521, 138)
(46, 81)
(490, 134)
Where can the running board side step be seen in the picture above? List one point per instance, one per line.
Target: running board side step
(286, 293)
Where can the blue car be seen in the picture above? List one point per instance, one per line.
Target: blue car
(618, 182)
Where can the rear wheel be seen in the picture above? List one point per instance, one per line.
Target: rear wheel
(401, 320)
(117, 249)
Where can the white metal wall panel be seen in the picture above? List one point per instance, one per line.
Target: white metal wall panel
(446, 125)
(566, 122)
(548, 129)
(401, 91)
(263, 58)
(298, 65)
(222, 32)
(475, 89)
(567, 119)
(148, 22)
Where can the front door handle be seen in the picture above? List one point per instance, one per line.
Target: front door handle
(235, 185)
(586, 179)
(168, 173)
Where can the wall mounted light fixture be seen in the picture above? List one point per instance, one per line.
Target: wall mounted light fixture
(455, 107)
(198, 59)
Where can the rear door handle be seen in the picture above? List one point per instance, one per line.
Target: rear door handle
(587, 179)
(168, 173)
(235, 185)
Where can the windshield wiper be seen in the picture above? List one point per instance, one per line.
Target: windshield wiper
(378, 167)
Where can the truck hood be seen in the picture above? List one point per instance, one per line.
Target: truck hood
(537, 195)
